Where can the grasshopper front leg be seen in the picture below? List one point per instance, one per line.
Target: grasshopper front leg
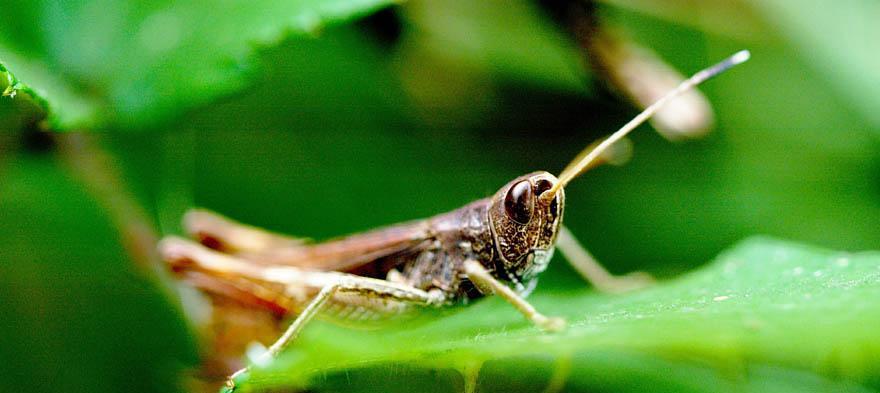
(484, 280)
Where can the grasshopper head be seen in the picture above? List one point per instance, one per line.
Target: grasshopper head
(524, 224)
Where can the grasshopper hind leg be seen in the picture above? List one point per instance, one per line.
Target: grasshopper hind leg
(353, 285)
(224, 234)
(290, 334)
(287, 287)
(593, 272)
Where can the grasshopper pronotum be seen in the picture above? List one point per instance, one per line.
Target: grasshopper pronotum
(496, 245)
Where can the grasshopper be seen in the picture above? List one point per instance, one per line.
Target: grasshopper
(496, 245)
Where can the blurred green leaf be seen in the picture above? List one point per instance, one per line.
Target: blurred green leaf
(840, 40)
(150, 61)
(59, 104)
(764, 302)
(77, 314)
(520, 42)
(707, 15)
(458, 56)
(10, 87)
(789, 158)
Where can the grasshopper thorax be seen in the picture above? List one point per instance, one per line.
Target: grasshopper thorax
(524, 225)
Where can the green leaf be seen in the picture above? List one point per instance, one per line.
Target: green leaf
(11, 85)
(17, 97)
(150, 61)
(837, 38)
(44, 95)
(765, 315)
(452, 43)
(844, 52)
(784, 139)
(78, 316)
(521, 43)
(708, 15)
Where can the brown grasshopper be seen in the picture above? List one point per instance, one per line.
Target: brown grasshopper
(496, 245)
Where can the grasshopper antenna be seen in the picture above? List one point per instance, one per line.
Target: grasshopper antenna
(587, 159)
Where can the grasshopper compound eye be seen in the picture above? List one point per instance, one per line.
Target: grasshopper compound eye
(518, 202)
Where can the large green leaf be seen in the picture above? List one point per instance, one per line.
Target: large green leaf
(151, 60)
(765, 315)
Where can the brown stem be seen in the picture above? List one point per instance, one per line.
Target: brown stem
(99, 172)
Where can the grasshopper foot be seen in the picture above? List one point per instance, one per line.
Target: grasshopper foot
(550, 324)
(230, 385)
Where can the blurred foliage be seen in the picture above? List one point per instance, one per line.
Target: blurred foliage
(53, 99)
(283, 115)
(77, 316)
(146, 61)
